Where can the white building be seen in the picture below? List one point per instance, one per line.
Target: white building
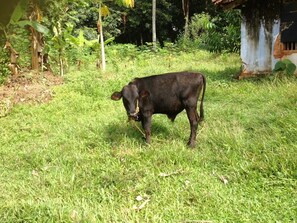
(268, 33)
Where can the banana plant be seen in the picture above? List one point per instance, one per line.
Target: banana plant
(58, 16)
(37, 32)
(103, 11)
(80, 42)
(35, 26)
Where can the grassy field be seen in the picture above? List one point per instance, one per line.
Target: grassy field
(76, 159)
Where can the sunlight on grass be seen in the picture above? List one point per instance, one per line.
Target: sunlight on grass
(76, 159)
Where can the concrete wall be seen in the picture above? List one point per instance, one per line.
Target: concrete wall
(257, 50)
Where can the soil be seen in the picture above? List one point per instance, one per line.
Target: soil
(27, 87)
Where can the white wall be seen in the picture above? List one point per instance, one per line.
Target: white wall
(257, 54)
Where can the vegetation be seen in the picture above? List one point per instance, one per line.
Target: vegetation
(54, 35)
(285, 66)
(76, 159)
(68, 153)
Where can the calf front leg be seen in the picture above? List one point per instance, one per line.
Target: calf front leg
(146, 124)
(193, 119)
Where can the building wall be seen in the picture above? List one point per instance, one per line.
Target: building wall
(258, 50)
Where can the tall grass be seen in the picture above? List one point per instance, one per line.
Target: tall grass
(76, 159)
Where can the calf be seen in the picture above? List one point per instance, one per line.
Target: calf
(167, 94)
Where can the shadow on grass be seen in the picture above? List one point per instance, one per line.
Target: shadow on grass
(116, 133)
(227, 75)
(231, 74)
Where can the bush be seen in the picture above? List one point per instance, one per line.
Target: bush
(4, 60)
(285, 67)
(218, 33)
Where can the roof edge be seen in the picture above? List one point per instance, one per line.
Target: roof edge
(228, 4)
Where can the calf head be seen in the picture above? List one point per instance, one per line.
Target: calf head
(130, 97)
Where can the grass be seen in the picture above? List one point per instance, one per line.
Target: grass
(76, 159)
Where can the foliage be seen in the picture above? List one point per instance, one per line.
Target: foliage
(18, 12)
(4, 60)
(36, 25)
(285, 66)
(215, 33)
(112, 24)
(18, 15)
(136, 27)
(76, 159)
(20, 41)
(211, 29)
(199, 24)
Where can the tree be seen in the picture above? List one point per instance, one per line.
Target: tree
(186, 11)
(154, 34)
(137, 26)
(104, 11)
(37, 42)
(37, 30)
(57, 15)
(16, 19)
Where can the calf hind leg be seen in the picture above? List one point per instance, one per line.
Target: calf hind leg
(193, 119)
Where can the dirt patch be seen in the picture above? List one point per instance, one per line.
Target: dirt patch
(27, 87)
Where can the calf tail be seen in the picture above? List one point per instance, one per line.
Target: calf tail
(202, 99)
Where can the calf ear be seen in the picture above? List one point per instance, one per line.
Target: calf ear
(116, 96)
(144, 94)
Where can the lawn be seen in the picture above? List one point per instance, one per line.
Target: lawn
(77, 159)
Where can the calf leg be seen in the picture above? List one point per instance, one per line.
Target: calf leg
(146, 124)
(193, 119)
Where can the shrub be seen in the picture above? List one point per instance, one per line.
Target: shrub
(285, 67)
(4, 60)
(218, 33)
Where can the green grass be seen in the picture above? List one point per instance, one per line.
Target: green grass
(76, 159)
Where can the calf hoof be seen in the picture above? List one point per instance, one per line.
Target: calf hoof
(191, 144)
(147, 141)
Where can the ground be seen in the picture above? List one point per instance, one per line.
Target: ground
(27, 87)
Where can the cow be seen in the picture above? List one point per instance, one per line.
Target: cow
(168, 94)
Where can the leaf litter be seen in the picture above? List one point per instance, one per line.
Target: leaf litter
(27, 87)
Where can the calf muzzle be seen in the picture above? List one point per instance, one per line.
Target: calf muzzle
(134, 116)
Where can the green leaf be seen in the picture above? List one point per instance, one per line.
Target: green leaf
(290, 68)
(92, 43)
(72, 39)
(40, 28)
(19, 11)
(279, 66)
(109, 40)
(37, 26)
(286, 61)
(81, 38)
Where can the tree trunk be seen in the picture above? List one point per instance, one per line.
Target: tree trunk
(34, 50)
(154, 37)
(61, 64)
(61, 48)
(100, 29)
(14, 55)
(36, 39)
(186, 9)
